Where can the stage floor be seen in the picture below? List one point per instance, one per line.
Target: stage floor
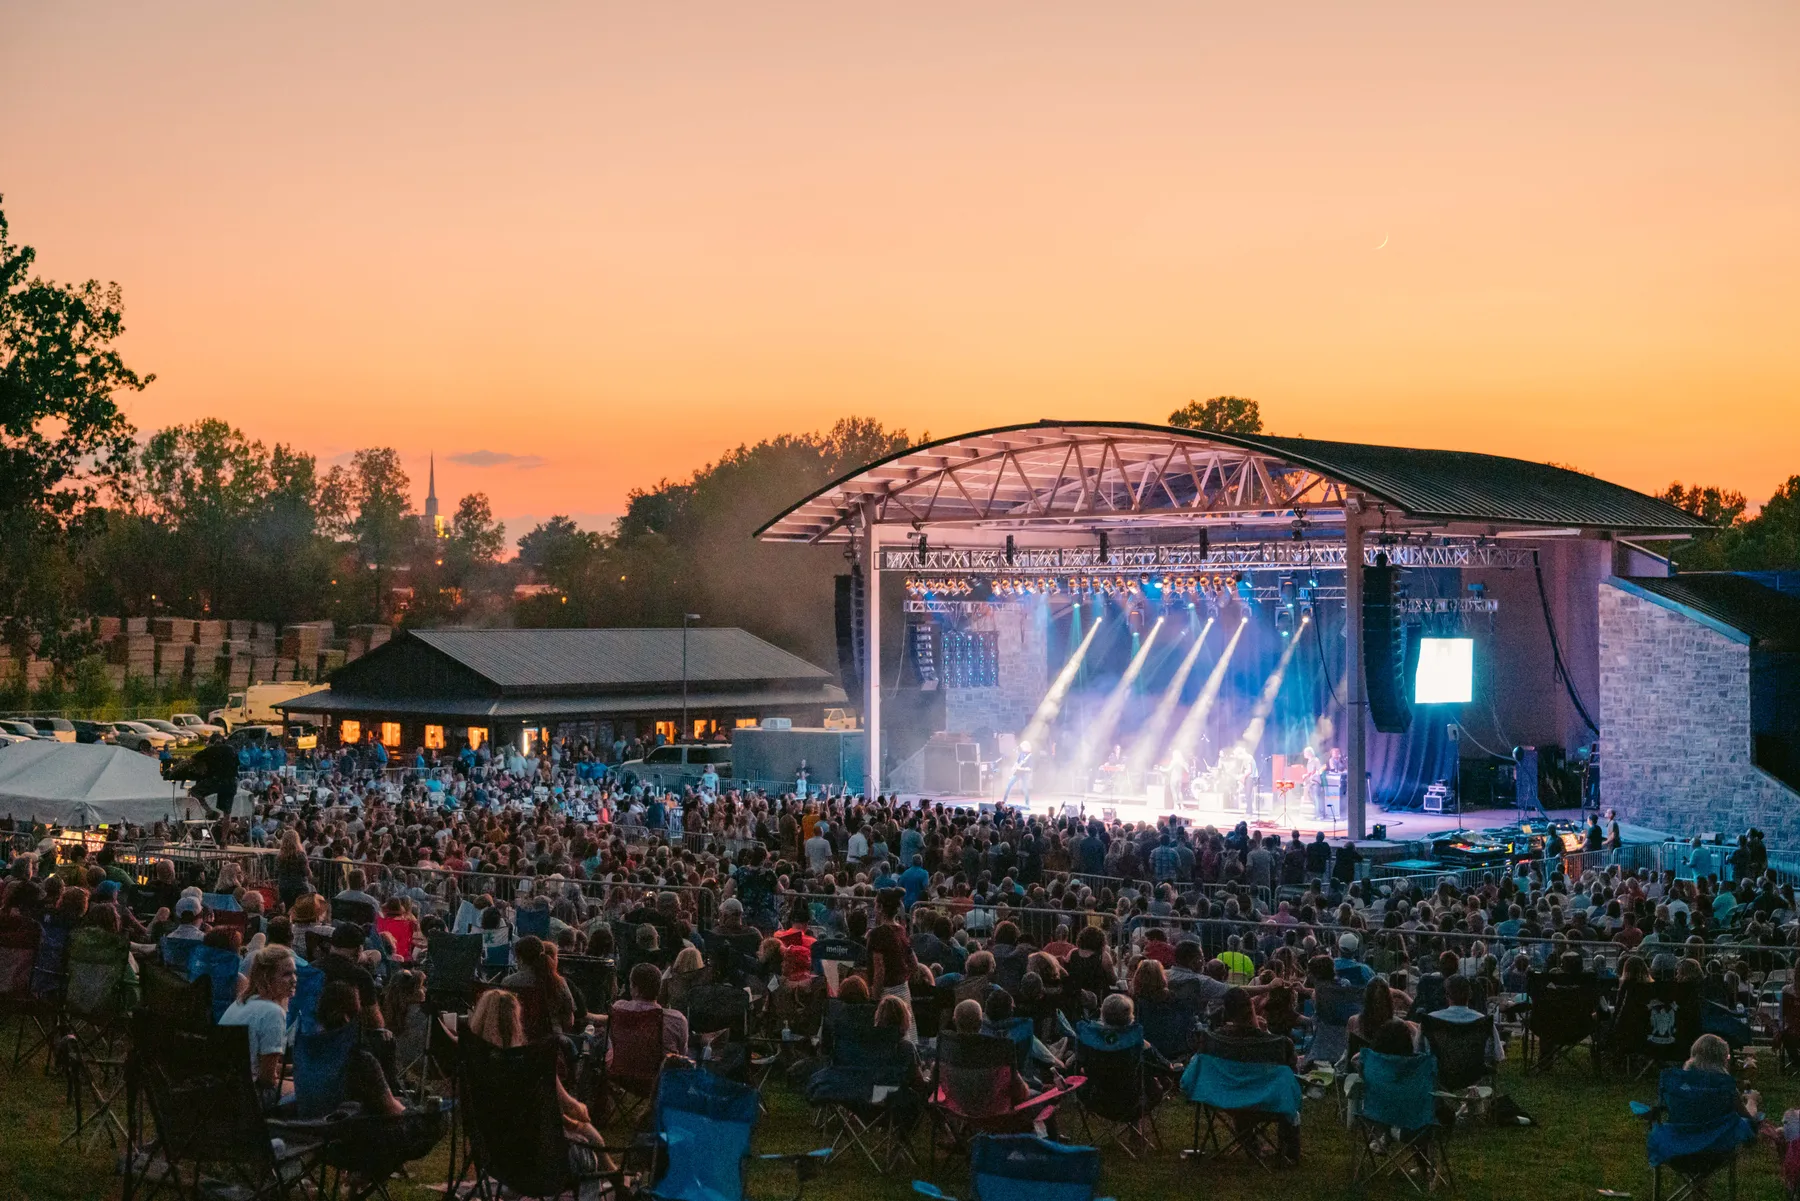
(1402, 825)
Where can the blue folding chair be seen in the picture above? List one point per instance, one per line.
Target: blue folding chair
(221, 966)
(1695, 1131)
(178, 952)
(309, 986)
(532, 921)
(1118, 1091)
(1024, 1167)
(1239, 1102)
(321, 1062)
(1397, 1130)
(702, 1126)
(220, 902)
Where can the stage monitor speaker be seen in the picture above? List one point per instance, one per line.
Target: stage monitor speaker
(1385, 650)
(851, 636)
(1379, 832)
(942, 772)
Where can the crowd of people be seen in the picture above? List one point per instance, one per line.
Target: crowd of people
(936, 917)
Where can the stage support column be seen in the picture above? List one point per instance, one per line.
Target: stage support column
(1355, 695)
(871, 668)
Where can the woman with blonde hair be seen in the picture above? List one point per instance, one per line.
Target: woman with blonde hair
(682, 978)
(262, 1009)
(499, 1022)
(293, 874)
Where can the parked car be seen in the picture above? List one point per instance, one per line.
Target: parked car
(20, 729)
(196, 725)
(94, 731)
(59, 728)
(676, 765)
(138, 734)
(8, 738)
(181, 736)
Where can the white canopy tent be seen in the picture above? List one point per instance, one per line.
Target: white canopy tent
(77, 784)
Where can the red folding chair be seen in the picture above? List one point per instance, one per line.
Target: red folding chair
(401, 931)
(975, 1089)
(634, 1056)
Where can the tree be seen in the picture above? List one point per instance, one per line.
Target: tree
(686, 546)
(382, 525)
(1719, 506)
(547, 539)
(59, 373)
(1226, 414)
(476, 539)
(1770, 541)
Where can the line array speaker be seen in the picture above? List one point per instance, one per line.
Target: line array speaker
(1385, 649)
(852, 634)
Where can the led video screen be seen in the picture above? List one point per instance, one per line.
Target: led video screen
(1446, 671)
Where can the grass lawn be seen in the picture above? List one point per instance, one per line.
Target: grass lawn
(1584, 1140)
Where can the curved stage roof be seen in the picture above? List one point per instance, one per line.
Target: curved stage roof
(1083, 476)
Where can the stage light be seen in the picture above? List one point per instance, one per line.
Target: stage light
(1101, 730)
(1164, 713)
(1194, 720)
(1259, 716)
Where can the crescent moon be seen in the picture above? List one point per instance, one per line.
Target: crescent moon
(1384, 241)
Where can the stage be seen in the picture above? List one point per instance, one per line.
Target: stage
(1402, 825)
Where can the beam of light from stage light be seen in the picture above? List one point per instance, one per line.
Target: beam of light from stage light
(1193, 722)
(1101, 731)
(1265, 704)
(1164, 713)
(1051, 705)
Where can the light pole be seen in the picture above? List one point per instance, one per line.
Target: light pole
(682, 733)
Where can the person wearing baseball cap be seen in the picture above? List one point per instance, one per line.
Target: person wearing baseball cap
(343, 962)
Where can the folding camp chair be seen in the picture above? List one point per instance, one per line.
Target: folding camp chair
(701, 1128)
(176, 952)
(309, 986)
(1657, 1021)
(209, 1122)
(731, 956)
(975, 1075)
(1333, 1006)
(96, 1004)
(863, 1095)
(1695, 1132)
(512, 1121)
(360, 912)
(532, 920)
(1564, 1013)
(1117, 1091)
(221, 966)
(1169, 1025)
(719, 1030)
(41, 1009)
(594, 977)
(402, 932)
(1024, 1167)
(1241, 1090)
(1397, 1131)
(452, 963)
(634, 1058)
(1462, 1050)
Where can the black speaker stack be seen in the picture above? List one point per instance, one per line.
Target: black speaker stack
(852, 634)
(1385, 649)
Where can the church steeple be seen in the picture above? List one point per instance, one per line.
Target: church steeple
(431, 504)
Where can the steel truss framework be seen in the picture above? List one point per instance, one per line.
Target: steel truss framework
(1245, 556)
(1075, 477)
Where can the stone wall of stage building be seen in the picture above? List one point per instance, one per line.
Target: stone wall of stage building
(1675, 726)
(1024, 632)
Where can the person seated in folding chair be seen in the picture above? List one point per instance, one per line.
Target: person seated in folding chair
(1700, 1120)
(263, 1009)
(1400, 1124)
(1239, 1053)
(1024, 1167)
(499, 1021)
(1457, 994)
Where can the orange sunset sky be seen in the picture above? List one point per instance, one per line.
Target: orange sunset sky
(603, 242)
